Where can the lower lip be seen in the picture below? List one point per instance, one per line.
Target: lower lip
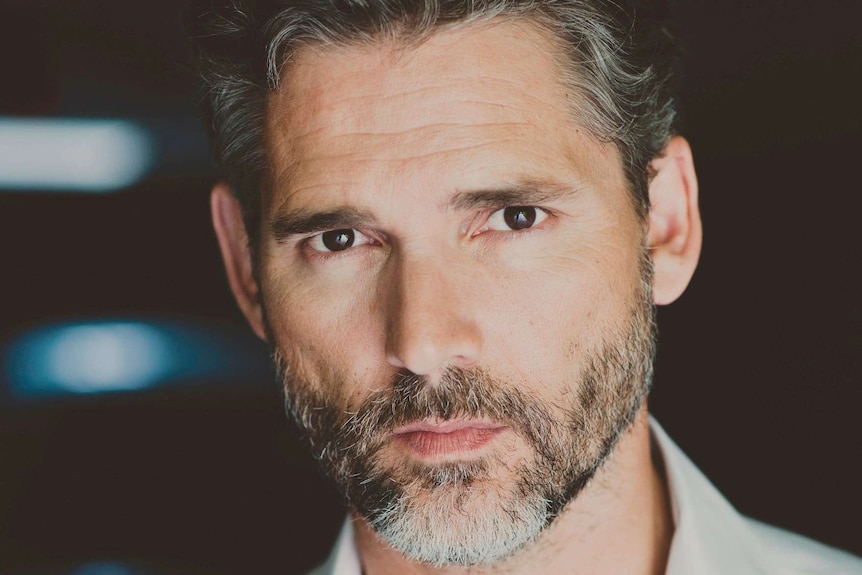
(427, 444)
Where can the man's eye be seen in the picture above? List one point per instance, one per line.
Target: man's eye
(337, 240)
(516, 218)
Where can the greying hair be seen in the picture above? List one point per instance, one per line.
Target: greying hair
(618, 58)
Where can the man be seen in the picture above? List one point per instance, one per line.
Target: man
(451, 221)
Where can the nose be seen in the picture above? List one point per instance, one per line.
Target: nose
(431, 324)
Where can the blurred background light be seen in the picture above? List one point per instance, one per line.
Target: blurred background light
(94, 358)
(72, 154)
(116, 355)
(106, 568)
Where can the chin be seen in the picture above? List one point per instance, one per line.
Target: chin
(461, 520)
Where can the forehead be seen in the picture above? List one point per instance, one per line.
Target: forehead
(468, 100)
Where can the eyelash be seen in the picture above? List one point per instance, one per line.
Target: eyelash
(304, 244)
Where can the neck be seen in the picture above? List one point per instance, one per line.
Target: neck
(620, 523)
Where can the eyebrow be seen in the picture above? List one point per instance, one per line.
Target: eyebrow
(528, 193)
(301, 222)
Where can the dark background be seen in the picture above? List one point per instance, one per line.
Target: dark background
(759, 376)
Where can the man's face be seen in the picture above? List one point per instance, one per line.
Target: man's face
(453, 279)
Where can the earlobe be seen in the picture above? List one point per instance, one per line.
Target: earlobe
(236, 254)
(675, 231)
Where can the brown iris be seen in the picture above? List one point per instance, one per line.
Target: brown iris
(519, 217)
(338, 240)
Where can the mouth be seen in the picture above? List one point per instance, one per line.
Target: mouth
(429, 441)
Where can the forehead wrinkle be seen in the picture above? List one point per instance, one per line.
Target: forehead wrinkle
(361, 157)
(439, 83)
(439, 138)
(406, 131)
(352, 114)
(299, 148)
(371, 120)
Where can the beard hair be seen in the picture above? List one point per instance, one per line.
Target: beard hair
(453, 513)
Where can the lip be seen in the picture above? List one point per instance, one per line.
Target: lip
(449, 426)
(429, 440)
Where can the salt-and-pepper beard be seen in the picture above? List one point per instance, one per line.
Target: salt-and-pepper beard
(442, 514)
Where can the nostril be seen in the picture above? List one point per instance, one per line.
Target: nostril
(464, 361)
(395, 361)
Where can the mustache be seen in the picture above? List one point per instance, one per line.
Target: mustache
(459, 393)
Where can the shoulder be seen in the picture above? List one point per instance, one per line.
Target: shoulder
(713, 538)
(795, 554)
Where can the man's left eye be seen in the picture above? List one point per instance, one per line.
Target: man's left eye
(516, 218)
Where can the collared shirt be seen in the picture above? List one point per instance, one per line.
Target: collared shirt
(710, 536)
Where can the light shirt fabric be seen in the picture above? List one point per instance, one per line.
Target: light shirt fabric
(710, 536)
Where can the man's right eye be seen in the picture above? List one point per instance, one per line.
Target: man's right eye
(337, 240)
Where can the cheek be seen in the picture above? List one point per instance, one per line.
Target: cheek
(326, 336)
(534, 323)
(544, 313)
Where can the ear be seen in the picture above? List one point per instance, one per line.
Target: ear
(675, 231)
(235, 252)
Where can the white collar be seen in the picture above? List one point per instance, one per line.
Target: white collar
(710, 536)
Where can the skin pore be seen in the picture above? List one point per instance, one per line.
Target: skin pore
(388, 248)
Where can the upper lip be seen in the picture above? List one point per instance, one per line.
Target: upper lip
(449, 426)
